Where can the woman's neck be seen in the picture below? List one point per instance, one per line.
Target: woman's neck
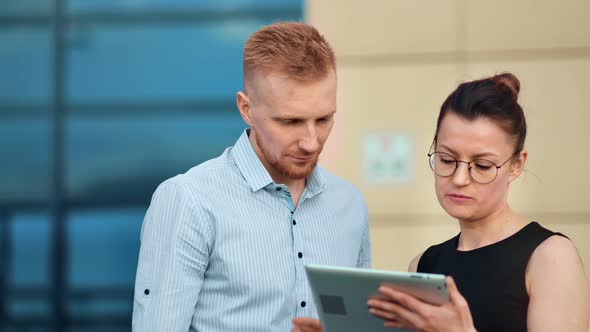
(496, 227)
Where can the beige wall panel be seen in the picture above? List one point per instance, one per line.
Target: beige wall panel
(385, 27)
(389, 99)
(396, 241)
(524, 24)
(554, 96)
(397, 63)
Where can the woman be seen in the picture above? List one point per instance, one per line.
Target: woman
(505, 272)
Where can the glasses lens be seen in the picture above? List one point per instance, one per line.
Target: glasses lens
(483, 171)
(443, 164)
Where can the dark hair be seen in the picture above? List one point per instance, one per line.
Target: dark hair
(495, 98)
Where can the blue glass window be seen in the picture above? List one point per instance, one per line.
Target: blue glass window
(106, 153)
(77, 6)
(24, 155)
(25, 7)
(149, 92)
(25, 65)
(30, 247)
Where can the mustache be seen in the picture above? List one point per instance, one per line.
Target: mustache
(305, 154)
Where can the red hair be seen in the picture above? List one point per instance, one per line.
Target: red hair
(296, 50)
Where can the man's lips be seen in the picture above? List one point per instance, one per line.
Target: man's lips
(302, 158)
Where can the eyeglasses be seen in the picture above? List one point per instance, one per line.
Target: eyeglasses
(481, 170)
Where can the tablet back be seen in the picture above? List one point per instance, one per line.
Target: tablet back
(341, 294)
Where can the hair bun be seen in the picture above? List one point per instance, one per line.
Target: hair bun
(507, 82)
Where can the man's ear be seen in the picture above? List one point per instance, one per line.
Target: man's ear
(517, 165)
(243, 103)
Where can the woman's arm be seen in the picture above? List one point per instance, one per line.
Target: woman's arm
(558, 289)
(414, 263)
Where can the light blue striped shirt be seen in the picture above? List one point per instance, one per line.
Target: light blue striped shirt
(222, 248)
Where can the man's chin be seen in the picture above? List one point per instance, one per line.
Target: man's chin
(298, 173)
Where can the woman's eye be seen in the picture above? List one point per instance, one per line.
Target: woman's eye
(483, 167)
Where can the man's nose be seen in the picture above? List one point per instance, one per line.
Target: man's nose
(308, 140)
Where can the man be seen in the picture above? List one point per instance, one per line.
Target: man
(223, 246)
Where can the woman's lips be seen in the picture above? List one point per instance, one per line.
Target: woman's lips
(458, 197)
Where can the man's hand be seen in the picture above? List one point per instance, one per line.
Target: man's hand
(304, 324)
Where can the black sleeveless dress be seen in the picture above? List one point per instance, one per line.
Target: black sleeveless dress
(491, 278)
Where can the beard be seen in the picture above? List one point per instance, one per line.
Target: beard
(290, 170)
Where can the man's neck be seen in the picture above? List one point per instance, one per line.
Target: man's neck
(296, 187)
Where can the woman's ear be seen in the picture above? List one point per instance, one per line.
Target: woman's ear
(517, 165)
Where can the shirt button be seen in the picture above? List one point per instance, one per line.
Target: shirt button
(303, 304)
(300, 255)
(146, 292)
(294, 222)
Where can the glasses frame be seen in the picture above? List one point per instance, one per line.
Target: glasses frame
(468, 163)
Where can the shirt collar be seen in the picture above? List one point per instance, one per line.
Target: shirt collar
(316, 182)
(257, 176)
(249, 164)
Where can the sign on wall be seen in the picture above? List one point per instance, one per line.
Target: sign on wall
(387, 158)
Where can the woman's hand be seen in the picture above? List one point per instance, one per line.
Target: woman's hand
(304, 324)
(405, 311)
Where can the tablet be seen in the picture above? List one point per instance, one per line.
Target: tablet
(341, 294)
